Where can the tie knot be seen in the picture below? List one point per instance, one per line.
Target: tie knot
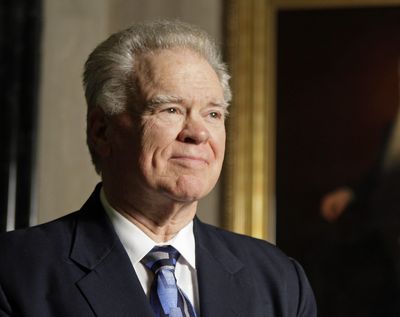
(161, 258)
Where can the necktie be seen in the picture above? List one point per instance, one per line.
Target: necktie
(166, 298)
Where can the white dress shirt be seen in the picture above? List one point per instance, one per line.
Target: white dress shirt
(137, 244)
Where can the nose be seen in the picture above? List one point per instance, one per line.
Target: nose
(194, 131)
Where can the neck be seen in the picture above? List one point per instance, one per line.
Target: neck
(161, 222)
(159, 230)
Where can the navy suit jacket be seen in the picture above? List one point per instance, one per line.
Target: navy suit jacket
(76, 266)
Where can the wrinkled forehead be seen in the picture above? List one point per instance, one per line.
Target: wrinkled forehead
(177, 71)
(149, 64)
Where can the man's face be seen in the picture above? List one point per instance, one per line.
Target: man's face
(172, 141)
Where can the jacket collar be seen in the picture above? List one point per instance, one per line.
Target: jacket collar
(224, 287)
(111, 286)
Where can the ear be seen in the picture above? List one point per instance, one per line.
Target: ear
(98, 125)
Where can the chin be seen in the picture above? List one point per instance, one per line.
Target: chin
(189, 189)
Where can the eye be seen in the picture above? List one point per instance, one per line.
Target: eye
(215, 115)
(171, 110)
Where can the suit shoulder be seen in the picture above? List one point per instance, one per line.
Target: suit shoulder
(30, 241)
(253, 250)
(240, 241)
(264, 265)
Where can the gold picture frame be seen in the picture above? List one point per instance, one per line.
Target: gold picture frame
(249, 175)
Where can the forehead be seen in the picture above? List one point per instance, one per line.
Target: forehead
(179, 71)
(173, 57)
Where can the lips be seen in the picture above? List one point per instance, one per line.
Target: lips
(190, 160)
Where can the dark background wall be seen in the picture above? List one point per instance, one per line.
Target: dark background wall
(20, 35)
(338, 92)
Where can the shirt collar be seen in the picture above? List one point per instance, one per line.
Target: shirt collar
(138, 244)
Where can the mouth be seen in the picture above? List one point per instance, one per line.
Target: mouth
(190, 161)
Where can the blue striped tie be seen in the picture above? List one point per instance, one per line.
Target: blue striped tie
(166, 298)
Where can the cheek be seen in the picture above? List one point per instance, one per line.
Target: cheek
(156, 138)
(218, 145)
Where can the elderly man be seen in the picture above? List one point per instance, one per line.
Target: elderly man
(157, 96)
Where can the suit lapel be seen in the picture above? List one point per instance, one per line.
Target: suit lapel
(113, 289)
(111, 286)
(224, 287)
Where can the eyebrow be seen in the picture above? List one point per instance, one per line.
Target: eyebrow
(162, 99)
(223, 105)
(153, 103)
